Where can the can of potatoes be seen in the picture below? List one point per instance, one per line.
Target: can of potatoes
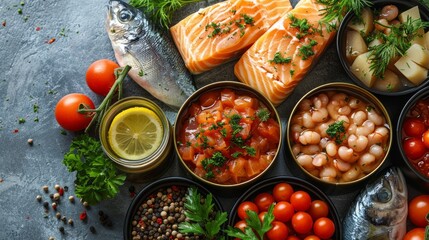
(137, 136)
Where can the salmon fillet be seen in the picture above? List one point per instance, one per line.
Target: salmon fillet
(282, 56)
(223, 31)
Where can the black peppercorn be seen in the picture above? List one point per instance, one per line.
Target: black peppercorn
(92, 229)
(61, 229)
(46, 205)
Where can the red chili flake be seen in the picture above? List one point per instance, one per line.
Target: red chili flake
(170, 196)
(83, 216)
(50, 41)
(38, 28)
(15, 131)
(159, 220)
(3, 23)
(141, 223)
(61, 191)
(174, 188)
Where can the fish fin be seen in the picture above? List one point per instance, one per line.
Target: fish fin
(381, 236)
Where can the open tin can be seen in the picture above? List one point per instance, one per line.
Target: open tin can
(143, 169)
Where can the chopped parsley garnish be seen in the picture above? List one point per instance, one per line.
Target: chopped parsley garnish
(263, 114)
(291, 72)
(236, 154)
(141, 73)
(303, 26)
(306, 50)
(337, 131)
(279, 59)
(223, 132)
(248, 19)
(217, 160)
(225, 28)
(369, 108)
(251, 151)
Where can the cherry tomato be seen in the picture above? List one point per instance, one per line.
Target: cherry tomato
(263, 201)
(324, 228)
(418, 209)
(293, 238)
(282, 192)
(241, 225)
(300, 200)
(415, 234)
(318, 209)
(67, 115)
(283, 211)
(425, 138)
(312, 237)
(100, 76)
(278, 231)
(413, 148)
(413, 127)
(244, 206)
(261, 216)
(302, 222)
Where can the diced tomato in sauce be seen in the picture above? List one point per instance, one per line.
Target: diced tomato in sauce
(224, 139)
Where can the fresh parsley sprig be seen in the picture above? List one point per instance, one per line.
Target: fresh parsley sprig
(337, 131)
(96, 176)
(200, 217)
(255, 229)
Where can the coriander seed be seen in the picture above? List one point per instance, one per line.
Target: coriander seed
(71, 199)
(30, 142)
(58, 215)
(56, 196)
(39, 198)
(57, 187)
(45, 188)
(70, 222)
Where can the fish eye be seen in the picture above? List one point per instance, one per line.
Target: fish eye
(383, 195)
(125, 15)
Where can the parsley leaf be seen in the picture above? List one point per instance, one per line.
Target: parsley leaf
(96, 176)
(337, 131)
(199, 213)
(263, 114)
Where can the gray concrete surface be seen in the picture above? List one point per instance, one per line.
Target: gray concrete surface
(34, 72)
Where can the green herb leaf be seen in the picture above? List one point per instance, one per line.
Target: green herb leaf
(263, 114)
(96, 176)
(279, 59)
(337, 131)
(199, 215)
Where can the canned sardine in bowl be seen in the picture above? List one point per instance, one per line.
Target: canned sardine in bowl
(136, 135)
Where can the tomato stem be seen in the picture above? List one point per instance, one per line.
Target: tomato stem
(98, 113)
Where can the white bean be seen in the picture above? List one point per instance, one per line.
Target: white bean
(351, 174)
(345, 119)
(309, 137)
(320, 160)
(329, 172)
(323, 142)
(333, 107)
(352, 129)
(296, 128)
(305, 161)
(366, 159)
(321, 128)
(357, 143)
(319, 115)
(345, 110)
(377, 151)
(307, 122)
(375, 138)
(296, 149)
(345, 153)
(329, 179)
(383, 131)
(341, 165)
(375, 117)
(331, 149)
(320, 100)
(340, 98)
(310, 149)
(359, 117)
(366, 128)
(355, 103)
(305, 105)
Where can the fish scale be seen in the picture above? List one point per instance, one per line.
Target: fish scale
(156, 64)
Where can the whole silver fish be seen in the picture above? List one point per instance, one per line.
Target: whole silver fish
(156, 64)
(380, 210)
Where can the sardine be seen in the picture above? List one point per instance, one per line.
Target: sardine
(156, 64)
(380, 210)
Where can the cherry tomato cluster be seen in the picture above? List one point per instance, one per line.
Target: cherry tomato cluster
(296, 214)
(418, 211)
(100, 78)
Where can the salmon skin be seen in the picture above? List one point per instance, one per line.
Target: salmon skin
(223, 31)
(282, 56)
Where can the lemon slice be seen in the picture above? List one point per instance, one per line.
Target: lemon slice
(135, 133)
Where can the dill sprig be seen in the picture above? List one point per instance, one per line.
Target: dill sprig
(335, 10)
(394, 44)
(161, 10)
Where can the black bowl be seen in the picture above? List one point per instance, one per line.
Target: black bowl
(297, 184)
(154, 186)
(341, 43)
(409, 170)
